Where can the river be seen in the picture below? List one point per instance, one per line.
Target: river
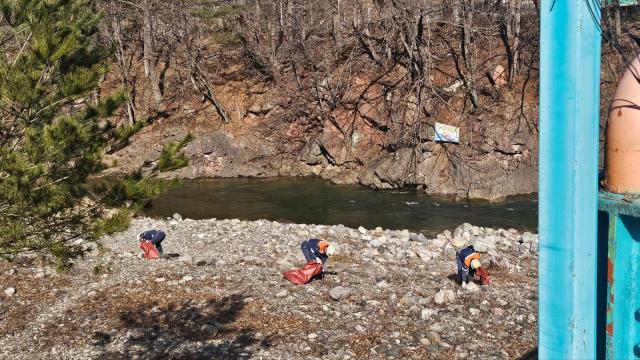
(315, 201)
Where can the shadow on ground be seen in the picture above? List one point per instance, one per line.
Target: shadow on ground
(531, 355)
(181, 331)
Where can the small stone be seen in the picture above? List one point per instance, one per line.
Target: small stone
(434, 337)
(362, 230)
(474, 311)
(160, 279)
(425, 342)
(378, 231)
(472, 287)
(177, 217)
(9, 291)
(282, 294)
(444, 296)
(426, 314)
(312, 336)
(187, 278)
(497, 311)
(417, 237)
(339, 293)
(528, 237)
(360, 328)
(210, 331)
(200, 236)
(524, 247)
(394, 350)
(531, 318)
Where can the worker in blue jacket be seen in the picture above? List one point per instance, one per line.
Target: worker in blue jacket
(155, 236)
(317, 250)
(468, 261)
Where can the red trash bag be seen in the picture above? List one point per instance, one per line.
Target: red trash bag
(150, 251)
(485, 278)
(304, 275)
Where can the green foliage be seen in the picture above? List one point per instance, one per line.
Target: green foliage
(53, 137)
(172, 157)
(119, 221)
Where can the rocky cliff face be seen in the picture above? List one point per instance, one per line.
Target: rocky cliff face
(496, 156)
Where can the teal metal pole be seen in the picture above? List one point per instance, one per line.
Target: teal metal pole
(568, 192)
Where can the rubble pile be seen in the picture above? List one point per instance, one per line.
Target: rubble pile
(220, 294)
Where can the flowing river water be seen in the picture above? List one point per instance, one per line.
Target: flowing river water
(315, 201)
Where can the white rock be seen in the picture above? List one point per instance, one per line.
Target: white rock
(424, 254)
(440, 241)
(362, 230)
(339, 293)
(444, 296)
(187, 278)
(282, 294)
(458, 243)
(9, 291)
(160, 279)
(426, 314)
(472, 287)
(474, 311)
(360, 328)
(312, 336)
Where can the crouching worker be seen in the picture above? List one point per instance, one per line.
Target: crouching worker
(468, 261)
(154, 238)
(317, 250)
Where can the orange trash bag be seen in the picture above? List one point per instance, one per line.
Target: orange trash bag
(150, 251)
(304, 275)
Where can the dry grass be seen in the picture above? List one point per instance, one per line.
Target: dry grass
(32, 294)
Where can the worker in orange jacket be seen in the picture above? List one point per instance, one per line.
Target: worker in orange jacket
(317, 250)
(468, 260)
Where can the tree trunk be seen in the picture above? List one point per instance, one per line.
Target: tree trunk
(337, 25)
(618, 21)
(467, 50)
(124, 69)
(149, 61)
(515, 47)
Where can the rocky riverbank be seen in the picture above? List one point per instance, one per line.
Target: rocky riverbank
(388, 294)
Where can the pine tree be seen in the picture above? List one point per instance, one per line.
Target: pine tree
(53, 136)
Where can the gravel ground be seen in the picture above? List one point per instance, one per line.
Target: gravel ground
(387, 294)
